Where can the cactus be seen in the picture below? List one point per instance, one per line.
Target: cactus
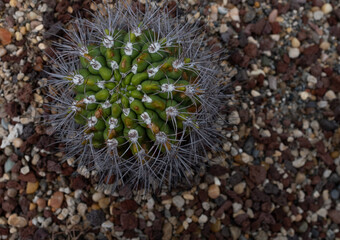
(135, 96)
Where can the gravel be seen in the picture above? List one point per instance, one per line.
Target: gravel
(275, 176)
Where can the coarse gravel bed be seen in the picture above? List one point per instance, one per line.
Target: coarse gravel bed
(277, 176)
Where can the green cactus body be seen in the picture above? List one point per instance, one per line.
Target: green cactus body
(137, 83)
(136, 96)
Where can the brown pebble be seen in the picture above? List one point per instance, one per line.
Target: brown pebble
(213, 191)
(5, 36)
(216, 227)
(56, 200)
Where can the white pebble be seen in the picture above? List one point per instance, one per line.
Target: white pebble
(318, 15)
(327, 8)
(294, 53)
(24, 170)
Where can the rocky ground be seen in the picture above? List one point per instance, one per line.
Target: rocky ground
(278, 174)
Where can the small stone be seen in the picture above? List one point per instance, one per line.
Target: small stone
(327, 8)
(239, 188)
(216, 227)
(104, 203)
(325, 45)
(107, 224)
(273, 15)
(318, 15)
(255, 93)
(12, 192)
(3, 51)
(294, 53)
(42, 46)
(17, 221)
(235, 232)
(234, 118)
(18, 36)
(334, 215)
(300, 178)
(5, 36)
(9, 164)
(81, 208)
(303, 227)
(249, 16)
(322, 212)
(188, 196)
(246, 158)
(178, 201)
(97, 196)
(167, 231)
(330, 95)
(75, 219)
(223, 28)
(213, 191)
(234, 14)
(222, 10)
(17, 142)
(202, 219)
(24, 170)
(20, 76)
(304, 95)
(335, 194)
(56, 200)
(32, 187)
(13, 3)
(300, 162)
(295, 43)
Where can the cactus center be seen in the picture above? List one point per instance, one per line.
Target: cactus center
(132, 92)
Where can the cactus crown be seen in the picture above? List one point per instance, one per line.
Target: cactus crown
(134, 96)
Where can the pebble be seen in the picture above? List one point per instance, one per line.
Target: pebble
(255, 93)
(12, 192)
(17, 221)
(97, 196)
(178, 201)
(5, 36)
(213, 191)
(24, 170)
(318, 15)
(3, 51)
(32, 187)
(18, 36)
(304, 95)
(239, 188)
(249, 16)
(107, 224)
(56, 200)
(202, 219)
(104, 203)
(294, 53)
(188, 196)
(273, 15)
(234, 118)
(216, 227)
(75, 219)
(81, 208)
(330, 95)
(246, 158)
(235, 232)
(325, 45)
(303, 227)
(167, 231)
(335, 194)
(234, 14)
(327, 8)
(9, 165)
(295, 43)
(300, 162)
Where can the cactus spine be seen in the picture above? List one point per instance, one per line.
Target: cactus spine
(135, 96)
